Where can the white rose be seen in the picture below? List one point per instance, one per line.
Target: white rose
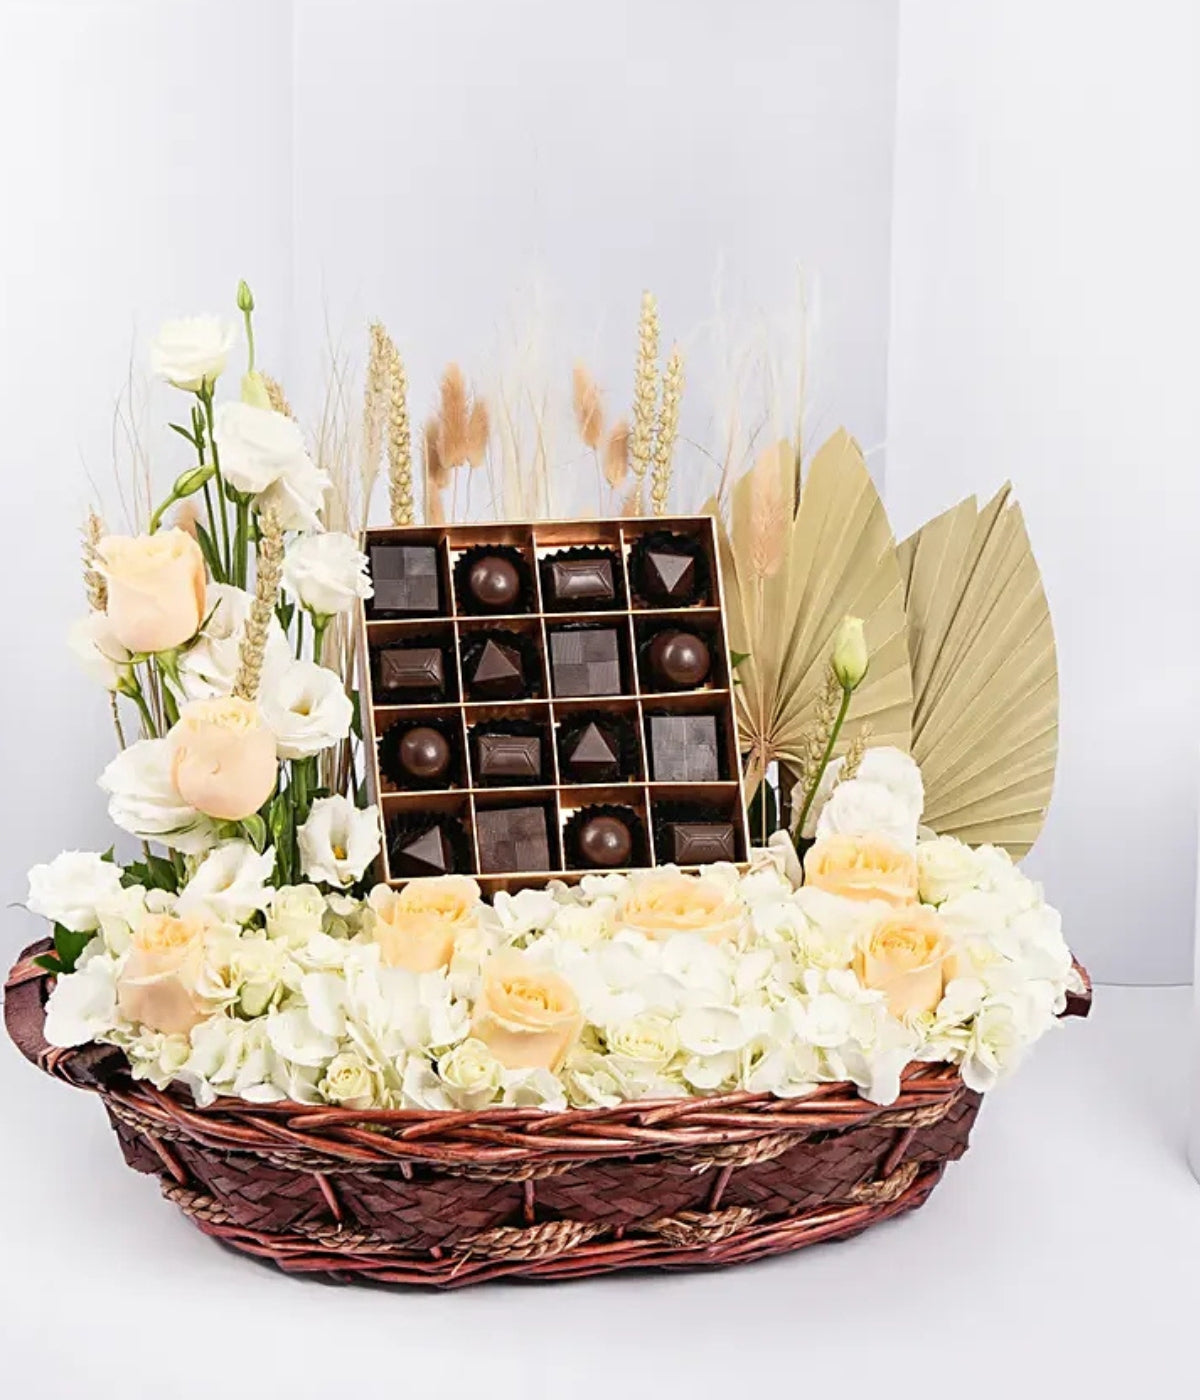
(207, 669)
(83, 1004)
(946, 867)
(191, 350)
(338, 841)
(95, 647)
(74, 889)
(307, 709)
(890, 767)
(861, 808)
(326, 572)
(586, 924)
(263, 455)
(472, 1074)
(648, 1041)
(143, 799)
(295, 914)
(352, 1082)
(230, 883)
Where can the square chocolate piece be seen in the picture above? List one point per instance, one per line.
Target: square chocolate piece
(576, 581)
(586, 661)
(512, 839)
(517, 757)
(405, 577)
(699, 843)
(683, 749)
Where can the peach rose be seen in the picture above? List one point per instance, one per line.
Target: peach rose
(862, 867)
(156, 987)
(662, 905)
(527, 1016)
(156, 586)
(417, 927)
(223, 762)
(908, 956)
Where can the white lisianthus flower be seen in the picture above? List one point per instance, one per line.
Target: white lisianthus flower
(946, 868)
(208, 668)
(326, 572)
(189, 351)
(144, 801)
(859, 807)
(307, 708)
(95, 646)
(471, 1074)
(890, 767)
(83, 1004)
(263, 455)
(230, 883)
(338, 841)
(351, 1081)
(75, 889)
(295, 914)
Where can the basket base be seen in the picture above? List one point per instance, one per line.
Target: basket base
(560, 1255)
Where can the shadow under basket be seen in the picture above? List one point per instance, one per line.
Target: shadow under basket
(447, 1199)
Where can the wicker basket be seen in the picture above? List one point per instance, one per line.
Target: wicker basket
(447, 1199)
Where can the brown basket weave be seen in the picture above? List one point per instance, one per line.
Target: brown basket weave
(447, 1199)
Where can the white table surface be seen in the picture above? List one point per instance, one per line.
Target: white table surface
(1060, 1257)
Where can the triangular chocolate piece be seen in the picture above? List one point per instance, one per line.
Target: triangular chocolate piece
(670, 574)
(498, 669)
(594, 756)
(429, 853)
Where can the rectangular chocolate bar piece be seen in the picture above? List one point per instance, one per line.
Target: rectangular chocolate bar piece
(512, 839)
(581, 581)
(698, 843)
(517, 756)
(586, 661)
(683, 749)
(412, 670)
(405, 578)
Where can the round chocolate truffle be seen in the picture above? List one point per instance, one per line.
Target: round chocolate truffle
(494, 582)
(679, 660)
(424, 753)
(605, 840)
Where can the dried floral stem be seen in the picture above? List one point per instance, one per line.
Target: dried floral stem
(278, 399)
(854, 754)
(94, 583)
(262, 609)
(399, 435)
(645, 398)
(819, 741)
(666, 431)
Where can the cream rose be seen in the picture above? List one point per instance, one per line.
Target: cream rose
(156, 586)
(662, 905)
(417, 927)
(223, 758)
(157, 985)
(946, 868)
(191, 350)
(908, 956)
(862, 867)
(526, 1015)
(471, 1074)
(350, 1081)
(295, 914)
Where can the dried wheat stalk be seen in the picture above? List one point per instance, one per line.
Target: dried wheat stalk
(770, 511)
(399, 437)
(854, 754)
(276, 396)
(94, 583)
(645, 397)
(666, 431)
(262, 609)
(815, 739)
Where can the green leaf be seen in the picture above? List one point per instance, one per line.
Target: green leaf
(255, 831)
(737, 657)
(763, 813)
(68, 945)
(48, 962)
(209, 550)
(356, 716)
(183, 433)
(155, 873)
(110, 855)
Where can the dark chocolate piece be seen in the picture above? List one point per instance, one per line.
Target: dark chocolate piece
(593, 758)
(413, 671)
(698, 843)
(671, 575)
(604, 837)
(585, 661)
(493, 578)
(605, 840)
(405, 578)
(509, 756)
(667, 570)
(513, 839)
(424, 755)
(493, 582)
(496, 673)
(597, 747)
(581, 581)
(678, 660)
(426, 847)
(683, 749)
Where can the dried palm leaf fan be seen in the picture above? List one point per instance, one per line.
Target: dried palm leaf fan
(792, 572)
(985, 676)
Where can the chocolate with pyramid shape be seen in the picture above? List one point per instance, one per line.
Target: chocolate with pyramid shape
(673, 575)
(418, 851)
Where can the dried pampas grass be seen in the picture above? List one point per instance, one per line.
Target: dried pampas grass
(616, 454)
(589, 407)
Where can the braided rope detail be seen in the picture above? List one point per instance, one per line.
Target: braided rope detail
(532, 1242)
(692, 1229)
(879, 1193)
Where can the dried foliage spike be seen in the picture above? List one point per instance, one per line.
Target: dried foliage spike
(436, 475)
(772, 490)
(589, 407)
(985, 674)
(453, 418)
(94, 584)
(645, 396)
(399, 438)
(667, 430)
(854, 754)
(276, 397)
(479, 431)
(262, 609)
(616, 454)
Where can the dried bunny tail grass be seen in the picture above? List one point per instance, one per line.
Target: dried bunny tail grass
(589, 408)
(94, 583)
(770, 512)
(631, 503)
(479, 432)
(854, 754)
(666, 432)
(453, 418)
(399, 431)
(436, 474)
(262, 609)
(616, 454)
(645, 393)
(277, 398)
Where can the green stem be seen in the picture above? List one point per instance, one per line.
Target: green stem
(241, 544)
(246, 316)
(299, 633)
(320, 622)
(811, 794)
(206, 399)
(133, 689)
(212, 532)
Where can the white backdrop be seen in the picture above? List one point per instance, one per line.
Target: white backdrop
(430, 163)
